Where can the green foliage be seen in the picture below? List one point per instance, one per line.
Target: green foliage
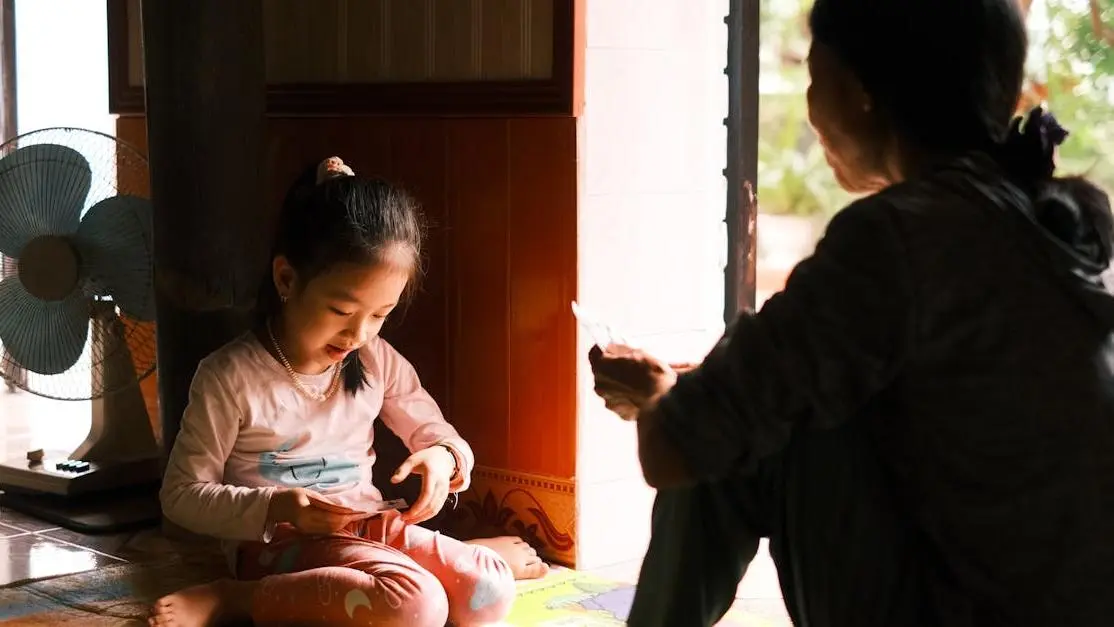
(793, 177)
(1078, 70)
(1075, 39)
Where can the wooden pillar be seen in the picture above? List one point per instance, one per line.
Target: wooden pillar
(205, 93)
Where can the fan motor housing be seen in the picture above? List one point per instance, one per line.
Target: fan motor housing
(48, 267)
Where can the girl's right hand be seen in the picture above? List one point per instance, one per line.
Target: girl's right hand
(310, 513)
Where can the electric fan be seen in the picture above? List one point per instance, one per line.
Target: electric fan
(76, 315)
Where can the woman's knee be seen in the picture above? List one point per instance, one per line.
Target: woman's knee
(482, 591)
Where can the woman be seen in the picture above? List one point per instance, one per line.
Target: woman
(922, 422)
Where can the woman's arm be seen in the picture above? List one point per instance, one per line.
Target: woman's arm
(814, 356)
(412, 414)
(193, 493)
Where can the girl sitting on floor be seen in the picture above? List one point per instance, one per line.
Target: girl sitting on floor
(275, 452)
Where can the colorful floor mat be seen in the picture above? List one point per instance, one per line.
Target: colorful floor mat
(119, 596)
(567, 598)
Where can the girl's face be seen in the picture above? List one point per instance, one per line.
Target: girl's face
(336, 312)
(841, 112)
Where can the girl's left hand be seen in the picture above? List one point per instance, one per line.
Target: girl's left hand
(628, 379)
(436, 466)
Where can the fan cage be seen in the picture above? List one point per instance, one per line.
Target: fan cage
(118, 168)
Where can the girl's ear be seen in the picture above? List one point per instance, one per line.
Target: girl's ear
(285, 277)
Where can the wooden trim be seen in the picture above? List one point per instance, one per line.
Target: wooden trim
(123, 98)
(557, 95)
(577, 48)
(539, 509)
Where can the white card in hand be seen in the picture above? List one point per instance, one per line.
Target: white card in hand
(383, 506)
(602, 334)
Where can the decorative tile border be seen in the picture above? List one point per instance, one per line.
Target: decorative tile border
(540, 509)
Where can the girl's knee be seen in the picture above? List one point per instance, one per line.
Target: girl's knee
(482, 596)
(420, 601)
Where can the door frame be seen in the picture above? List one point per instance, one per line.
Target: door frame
(741, 215)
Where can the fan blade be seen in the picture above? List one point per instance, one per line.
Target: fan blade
(46, 337)
(114, 241)
(42, 192)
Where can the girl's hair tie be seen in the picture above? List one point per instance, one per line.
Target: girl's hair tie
(332, 168)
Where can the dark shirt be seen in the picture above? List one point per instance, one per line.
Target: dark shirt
(978, 348)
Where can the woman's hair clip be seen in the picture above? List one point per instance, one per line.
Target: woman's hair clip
(331, 168)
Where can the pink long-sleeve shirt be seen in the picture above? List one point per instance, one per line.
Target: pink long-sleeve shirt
(248, 432)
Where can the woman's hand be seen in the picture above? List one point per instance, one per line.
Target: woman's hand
(310, 513)
(436, 465)
(628, 379)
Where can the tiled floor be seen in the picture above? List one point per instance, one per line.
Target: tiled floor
(30, 549)
(26, 554)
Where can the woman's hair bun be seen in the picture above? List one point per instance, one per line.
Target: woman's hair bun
(1029, 149)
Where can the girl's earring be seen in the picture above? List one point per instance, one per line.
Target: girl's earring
(283, 298)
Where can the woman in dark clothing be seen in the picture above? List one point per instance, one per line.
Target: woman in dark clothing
(922, 421)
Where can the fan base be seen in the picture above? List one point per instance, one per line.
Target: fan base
(97, 499)
(116, 511)
(56, 475)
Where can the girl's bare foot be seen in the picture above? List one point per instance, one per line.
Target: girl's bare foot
(204, 606)
(522, 558)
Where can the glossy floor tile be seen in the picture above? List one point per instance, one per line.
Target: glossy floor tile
(14, 523)
(7, 531)
(34, 556)
(138, 546)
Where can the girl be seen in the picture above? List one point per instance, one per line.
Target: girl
(922, 421)
(275, 453)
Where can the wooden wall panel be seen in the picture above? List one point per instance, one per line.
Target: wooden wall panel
(541, 246)
(394, 57)
(300, 40)
(455, 54)
(480, 325)
(406, 40)
(361, 41)
(490, 330)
